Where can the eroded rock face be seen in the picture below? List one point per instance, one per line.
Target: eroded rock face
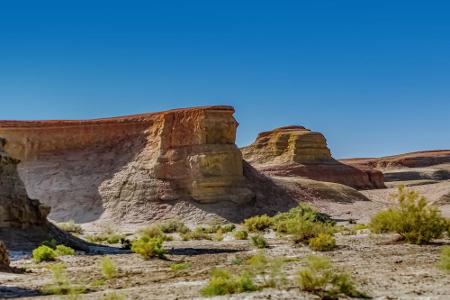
(16, 209)
(4, 257)
(117, 168)
(297, 151)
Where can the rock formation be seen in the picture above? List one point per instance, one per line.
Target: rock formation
(4, 258)
(23, 221)
(297, 151)
(118, 168)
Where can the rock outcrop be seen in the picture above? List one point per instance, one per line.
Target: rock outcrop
(297, 151)
(118, 168)
(23, 221)
(4, 258)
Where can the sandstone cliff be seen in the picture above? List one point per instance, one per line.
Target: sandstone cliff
(297, 151)
(130, 169)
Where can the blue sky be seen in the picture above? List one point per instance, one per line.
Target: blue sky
(373, 76)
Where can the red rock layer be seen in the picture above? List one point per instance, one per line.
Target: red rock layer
(297, 151)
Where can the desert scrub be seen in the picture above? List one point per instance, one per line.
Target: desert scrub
(148, 247)
(62, 250)
(181, 266)
(241, 235)
(61, 284)
(270, 270)
(197, 234)
(222, 282)
(444, 261)
(259, 241)
(303, 211)
(114, 296)
(109, 268)
(44, 253)
(218, 236)
(322, 242)
(173, 226)
(321, 278)
(303, 229)
(71, 227)
(258, 223)
(108, 235)
(414, 220)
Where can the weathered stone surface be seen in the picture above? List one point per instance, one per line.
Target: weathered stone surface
(4, 258)
(297, 151)
(116, 168)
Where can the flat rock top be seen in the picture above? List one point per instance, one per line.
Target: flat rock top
(119, 119)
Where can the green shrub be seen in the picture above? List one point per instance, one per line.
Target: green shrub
(44, 253)
(270, 270)
(319, 277)
(52, 243)
(181, 266)
(148, 247)
(414, 220)
(241, 235)
(228, 228)
(61, 284)
(218, 236)
(258, 223)
(62, 250)
(71, 227)
(444, 262)
(197, 234)
(152, 231)
(108, 235)
(323, 242)
(303, 211)
(222, 282)
(173, 226)
(303, 229)
(109, 268)
(259, 241)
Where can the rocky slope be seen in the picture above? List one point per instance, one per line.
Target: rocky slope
(295, 151)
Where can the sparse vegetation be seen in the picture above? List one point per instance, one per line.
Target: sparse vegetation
(62, 250)
(197, 234)
(71, 227)
(259, 241)
(222, 282)
(108, 235)
(444, 262)
(241, 235)
(228, 228)
(148, 247)
(44, 253)
(258, 223)
(109, 268)
(180, 266)
(218, 236)
(173, 226)
(61, 284)
(269, 269)
(319, 277)
(414, 220)
(322, 242)
(113, 296)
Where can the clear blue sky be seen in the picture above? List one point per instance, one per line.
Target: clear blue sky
(373, 76)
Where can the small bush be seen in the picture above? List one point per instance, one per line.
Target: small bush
(152, 231)
(303, 229)
(222, 282)
(414, 220)
(259, 241)
(303, 211)
(52, 244)
(197, 234)
(173, 226)
(241, 235)
(181, 266)
(62, 250)
(444, 262)
(109, 268)
(61, 284)
(269, 269)
(71, 227)
(44, 253)
(107, 236)
(319, 277)
(113, 296)
(148, 247)
(228, 228)
(218, 237)
(258, 223)
(323, 242)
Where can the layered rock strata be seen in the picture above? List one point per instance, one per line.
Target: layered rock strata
(118, 168)
(297, 151)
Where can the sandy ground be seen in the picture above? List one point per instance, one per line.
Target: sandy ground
(382, 268)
